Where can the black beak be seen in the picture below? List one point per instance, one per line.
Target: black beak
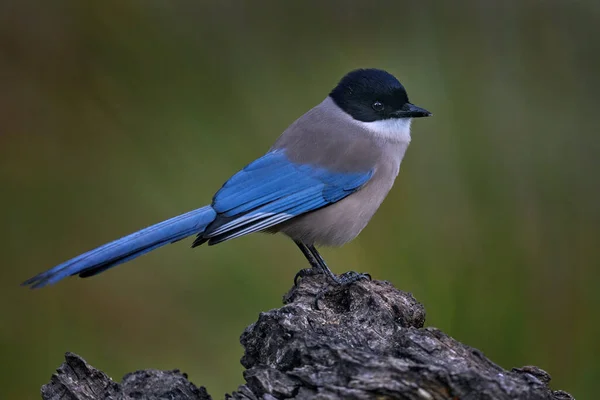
(409, 110)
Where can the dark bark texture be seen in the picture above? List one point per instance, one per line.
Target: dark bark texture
(363, 341)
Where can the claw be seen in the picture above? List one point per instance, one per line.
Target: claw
(351, 276)
(303, 273)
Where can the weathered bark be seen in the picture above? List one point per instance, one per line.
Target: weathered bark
(364, 341)
(75, 379)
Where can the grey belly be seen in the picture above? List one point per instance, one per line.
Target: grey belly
(341, 222)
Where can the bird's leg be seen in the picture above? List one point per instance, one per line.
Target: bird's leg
(323, 265)
(315, 265)
(342, 280)
(318, 266)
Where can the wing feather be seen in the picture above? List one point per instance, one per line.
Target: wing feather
(272, 190)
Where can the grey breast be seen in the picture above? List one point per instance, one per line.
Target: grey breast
(328, 137)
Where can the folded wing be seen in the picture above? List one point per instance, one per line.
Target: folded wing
(272, 190)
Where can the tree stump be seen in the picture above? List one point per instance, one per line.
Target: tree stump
(363, 341)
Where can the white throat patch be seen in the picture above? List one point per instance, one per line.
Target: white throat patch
(393, 129)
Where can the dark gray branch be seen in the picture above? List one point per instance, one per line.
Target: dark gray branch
(365, 341)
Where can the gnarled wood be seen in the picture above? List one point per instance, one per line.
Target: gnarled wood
(364, 341)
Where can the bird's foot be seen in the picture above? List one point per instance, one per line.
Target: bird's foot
(303, 273)
(345, 279)
(351, 276)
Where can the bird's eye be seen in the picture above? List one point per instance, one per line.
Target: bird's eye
(378, 106)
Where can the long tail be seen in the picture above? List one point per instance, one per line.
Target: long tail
(127, 248)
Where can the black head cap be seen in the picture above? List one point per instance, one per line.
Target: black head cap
(372, 94)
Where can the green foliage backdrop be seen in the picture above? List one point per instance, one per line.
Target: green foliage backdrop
(118, 114)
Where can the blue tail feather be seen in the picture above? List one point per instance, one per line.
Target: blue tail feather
(127, 248)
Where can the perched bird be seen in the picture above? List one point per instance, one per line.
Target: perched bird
(319, 184)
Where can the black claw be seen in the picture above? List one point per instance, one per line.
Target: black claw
(303, 273)
(350, 277)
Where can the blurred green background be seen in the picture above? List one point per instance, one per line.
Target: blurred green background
(118, 114)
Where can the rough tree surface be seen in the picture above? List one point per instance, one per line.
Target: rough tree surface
(364, 341)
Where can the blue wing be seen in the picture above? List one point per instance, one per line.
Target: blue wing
(271, 190)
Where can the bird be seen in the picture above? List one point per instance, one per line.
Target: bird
(319, 183)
